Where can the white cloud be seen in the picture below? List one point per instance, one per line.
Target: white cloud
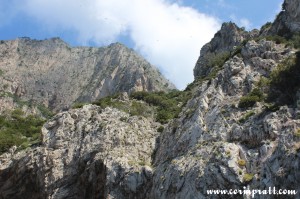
(168, 34)
(245, 23)
(242, 22)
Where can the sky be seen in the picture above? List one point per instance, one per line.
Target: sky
(168, 33)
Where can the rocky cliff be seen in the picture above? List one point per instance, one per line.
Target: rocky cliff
(219, 144)
(240, 129)
(52, 73)
(86, 153)
(288, 20)
(224, 42)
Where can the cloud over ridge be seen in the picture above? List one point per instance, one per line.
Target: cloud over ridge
(167, 33)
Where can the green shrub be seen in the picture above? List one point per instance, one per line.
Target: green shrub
(295, 41)
(257, 92)
(163, 116)
(138, 108)
(277, 39)
(246, 116)
(271, 107)
(18, 129)
(78, 105)
(167, 105)
(9, 139)
(248, 101)
(140, 95)
(134, 108)
(160, 129)
(46, 112)
(284, 81)
(218, 59)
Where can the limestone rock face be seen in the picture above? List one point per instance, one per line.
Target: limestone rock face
(288, 20)
(86, 153)
(225, 40)
(214, 144)
(52, 73)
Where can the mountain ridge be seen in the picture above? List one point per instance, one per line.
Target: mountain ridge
(235, 132)
(52, 73)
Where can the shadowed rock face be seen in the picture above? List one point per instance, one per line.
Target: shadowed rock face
(52, 73)
(288, 20)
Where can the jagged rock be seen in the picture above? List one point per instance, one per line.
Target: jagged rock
(225, 40)
(203, 148)
(212, 144)
(288, 20)
(86, 153)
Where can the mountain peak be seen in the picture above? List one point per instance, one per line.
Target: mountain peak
(52, 73)
(288, 20)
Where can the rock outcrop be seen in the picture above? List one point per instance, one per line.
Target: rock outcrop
(52, 73)
(86, 153)
(288, 20)
(225, 40)
(213, 144)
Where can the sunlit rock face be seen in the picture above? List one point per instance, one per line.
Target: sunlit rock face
(215, 143)
(52, 73)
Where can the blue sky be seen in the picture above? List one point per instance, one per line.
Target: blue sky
(168, 33)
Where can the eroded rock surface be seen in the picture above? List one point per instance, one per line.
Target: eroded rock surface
(52, 73)
(86, 153)
(213, 144)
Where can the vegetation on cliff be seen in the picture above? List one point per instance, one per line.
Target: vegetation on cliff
(16, 129)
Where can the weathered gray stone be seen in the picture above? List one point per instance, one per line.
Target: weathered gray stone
(52, 73)
(93, 155)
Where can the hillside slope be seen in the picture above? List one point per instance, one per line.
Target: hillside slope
(52, 73)
(240, 129)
